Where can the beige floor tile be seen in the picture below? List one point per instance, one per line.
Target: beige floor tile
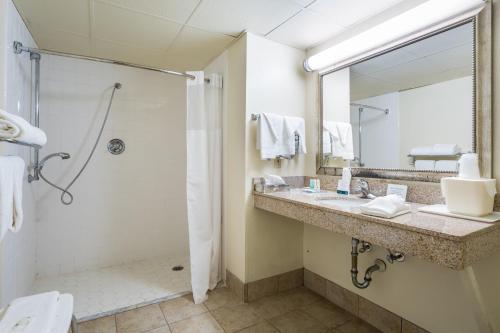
(140, 320)
(101, 325)
(357, 326)
(299, 297)
(259, 328)
(164, 329)
(327, 313)
(297, 322)
(271, 306)
(203, 323)
(221, 297)
(234, 318)
(181, 308)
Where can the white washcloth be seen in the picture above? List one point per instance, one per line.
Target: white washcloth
(341, 139)
(421, 151)
(11, 194)
(295, 126)
(386, 207)
(274, 180)
(446, 165)
(445, 149)
(15, 127)
(425, 164)
(31, 314)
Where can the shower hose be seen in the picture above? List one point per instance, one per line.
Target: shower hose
(66, 196)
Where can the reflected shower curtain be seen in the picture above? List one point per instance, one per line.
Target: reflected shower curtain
(204, 181)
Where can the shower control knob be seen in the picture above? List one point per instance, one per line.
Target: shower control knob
(116, 146)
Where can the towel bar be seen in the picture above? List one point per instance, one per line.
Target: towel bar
(14, 141)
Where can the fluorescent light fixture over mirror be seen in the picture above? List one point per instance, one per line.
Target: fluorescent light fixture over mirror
(429, 16)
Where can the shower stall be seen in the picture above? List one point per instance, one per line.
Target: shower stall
(123, 241)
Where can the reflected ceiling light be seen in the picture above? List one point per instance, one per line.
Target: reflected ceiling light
(418, 21)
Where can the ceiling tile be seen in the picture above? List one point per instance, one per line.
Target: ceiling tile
(175, 10)
(123, 26)
(72, 16)
(62, 41)
(350, 12)
(231, 17)
(127, 53)
(306, 29)
(196, 48)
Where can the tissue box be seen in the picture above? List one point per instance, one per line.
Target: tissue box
(473, 197)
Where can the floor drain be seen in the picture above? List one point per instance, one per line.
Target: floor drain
(177, 268)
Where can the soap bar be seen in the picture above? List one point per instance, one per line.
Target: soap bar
(473, 197)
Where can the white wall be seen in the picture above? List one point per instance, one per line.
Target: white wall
(380, 131)
(448, 104)
(17, 251)
(127, 207)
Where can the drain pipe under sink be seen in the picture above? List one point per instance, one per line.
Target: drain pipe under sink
(378, 266)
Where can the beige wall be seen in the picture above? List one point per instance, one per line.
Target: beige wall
(275, 84)
(424, 293)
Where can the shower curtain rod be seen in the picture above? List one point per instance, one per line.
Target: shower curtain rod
(18, 48)
(364, 106)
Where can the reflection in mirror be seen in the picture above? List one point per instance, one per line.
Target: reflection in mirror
(411, 108)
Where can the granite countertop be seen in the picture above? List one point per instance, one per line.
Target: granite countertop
(452, 242)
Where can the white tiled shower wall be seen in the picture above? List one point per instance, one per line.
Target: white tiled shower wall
(127, 207)
(17, 251)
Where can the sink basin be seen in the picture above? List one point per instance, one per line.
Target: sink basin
(343, 202)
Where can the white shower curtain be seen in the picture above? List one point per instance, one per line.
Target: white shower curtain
(204, 181)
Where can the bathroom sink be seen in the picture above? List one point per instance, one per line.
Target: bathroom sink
(343, 202)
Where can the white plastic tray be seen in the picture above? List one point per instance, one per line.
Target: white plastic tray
(441, 210)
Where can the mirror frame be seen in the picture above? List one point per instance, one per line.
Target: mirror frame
(482, 137)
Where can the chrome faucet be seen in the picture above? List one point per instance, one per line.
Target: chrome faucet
(364, 188)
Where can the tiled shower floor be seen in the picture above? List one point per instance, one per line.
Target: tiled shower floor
(113, 289)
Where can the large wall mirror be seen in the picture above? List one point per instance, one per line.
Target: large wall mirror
(412, 108)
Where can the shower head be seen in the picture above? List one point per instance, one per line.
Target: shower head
(63, 156)
(118, 85)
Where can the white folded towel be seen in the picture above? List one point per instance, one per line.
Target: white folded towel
(389, 206)
(446, 165)
(274, 180)
(438, 149)
(15, 127)
(341, 139)
(11, 194)
(31, 314)
(421, 151)
(425, 164)
(445, 149)
(64, 313)
(295, 126)
(276, 135)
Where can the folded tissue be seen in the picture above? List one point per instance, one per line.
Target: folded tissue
(469, 194)
(391, 205)
(270, 183)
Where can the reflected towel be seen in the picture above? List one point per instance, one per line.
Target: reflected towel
(15, 127)
(445, 149)
(386, 207)
(11, 194)
(425, 164)
(421, 151)
(31, 314)
(341, 139)
(446, 165)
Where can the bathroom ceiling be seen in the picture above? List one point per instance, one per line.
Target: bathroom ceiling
(443, 57)
(186, 34)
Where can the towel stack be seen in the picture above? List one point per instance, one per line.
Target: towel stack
(11, 194)
(276, 136)
(387, 207)
(15, 127)
(337, 140)
(437, 150)
(49, 312)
